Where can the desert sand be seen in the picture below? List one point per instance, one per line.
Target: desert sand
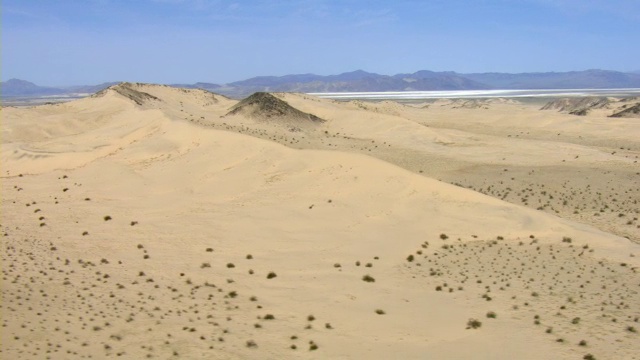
(153, 222)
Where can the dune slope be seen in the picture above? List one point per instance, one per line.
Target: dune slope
(129, 231)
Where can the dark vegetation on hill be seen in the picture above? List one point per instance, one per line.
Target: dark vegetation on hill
(265, 106)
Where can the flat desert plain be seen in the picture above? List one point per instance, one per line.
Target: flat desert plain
(153, 222)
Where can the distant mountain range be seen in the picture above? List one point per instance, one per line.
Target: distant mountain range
(361, 81)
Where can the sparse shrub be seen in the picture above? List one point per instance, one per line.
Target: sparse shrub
(205, 265)
(249, 256)
(368, 278)
(473, 324)
(566, 239)
(209, 249)
(582, 343)
(380, 312)
(311, 318)
(251, 344)
(271, 275)
(313, 346)
(269, 317)
(575, 321)
(107, 218)
(492, 315)
(438, 288)
(230, 265)
(443, 236)
(410, 258)
(631, 329)
(589, 357)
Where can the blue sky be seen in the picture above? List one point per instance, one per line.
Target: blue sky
(69, 42)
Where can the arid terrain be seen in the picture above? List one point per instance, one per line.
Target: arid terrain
(148, 221)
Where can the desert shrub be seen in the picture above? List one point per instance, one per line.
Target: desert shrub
(443, 236)
(473, 324)
(492, 315)
(269, 317)
(410, 258)
(368, 278)
(582, 343)
(380, 312)
(271, 275)
(230, 265)
(107, 218)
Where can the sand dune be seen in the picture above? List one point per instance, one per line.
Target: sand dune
(162, 228)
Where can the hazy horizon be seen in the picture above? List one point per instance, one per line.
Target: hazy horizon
(62, 86)
(186, 41)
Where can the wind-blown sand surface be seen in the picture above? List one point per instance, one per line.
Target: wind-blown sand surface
(150, 222)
